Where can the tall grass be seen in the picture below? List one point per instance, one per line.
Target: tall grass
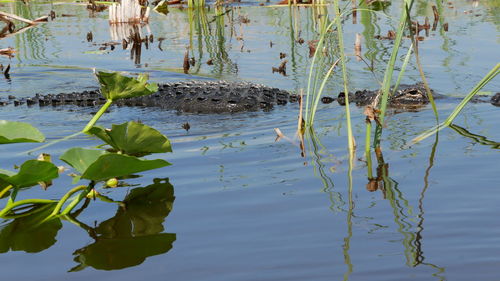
(340, 38)
(386, 83)
(489, 76)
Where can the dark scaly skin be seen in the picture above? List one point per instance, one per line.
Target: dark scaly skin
(229, 97)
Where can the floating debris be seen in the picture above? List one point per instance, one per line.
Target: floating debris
(90, 36)
(312, 47)
(391, 35)
(281, 69)
(9, 52)
(186, 65)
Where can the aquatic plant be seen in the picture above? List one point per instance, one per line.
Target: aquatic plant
(126, 144)
(489, 76)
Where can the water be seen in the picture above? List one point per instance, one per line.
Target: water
(247, 207)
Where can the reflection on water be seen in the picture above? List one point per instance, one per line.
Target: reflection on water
(127, 239)
(409, 224)
(18, 235)
(475, 137)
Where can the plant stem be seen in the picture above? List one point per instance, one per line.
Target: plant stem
(340, 36)
(9, 207)
(65, 198)
(97, 116)
(78, 199)
(5, 190)
(493, 72)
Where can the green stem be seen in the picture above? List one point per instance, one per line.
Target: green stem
(5, 190)
(77, 200)
(368, 154)
(493, 72)
(9, 207)
(65, 198)
(318, 94)
(52, 143)
(97, 116)
(344, 76)
(386, 84)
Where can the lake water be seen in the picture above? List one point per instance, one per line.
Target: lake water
(248, 207)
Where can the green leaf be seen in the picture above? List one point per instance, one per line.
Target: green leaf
(133, 138)
(162, 7)
(30, 173)
(80, 158)
(14, 132)
(115, 86)
(116, 165)
(28, 233)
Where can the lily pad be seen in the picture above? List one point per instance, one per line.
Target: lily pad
(14, 132)
(133, 138)
(81, 158)
(115, 86)
(116, 165)
(30, 173)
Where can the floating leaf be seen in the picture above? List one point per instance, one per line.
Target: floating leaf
(116, 165)
(80, 158)
(162, 7)
(14, 132)
(115, 86)
(133, 138)
(30, 173)
(28, 233)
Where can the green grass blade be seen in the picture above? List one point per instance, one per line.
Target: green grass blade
(493, 72)
(403, 69)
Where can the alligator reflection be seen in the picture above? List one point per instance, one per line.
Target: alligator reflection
(125, 240)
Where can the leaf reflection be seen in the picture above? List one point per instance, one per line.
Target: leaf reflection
(19, 235)
(133, 234)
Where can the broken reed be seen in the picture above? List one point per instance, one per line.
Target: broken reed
(128, 11)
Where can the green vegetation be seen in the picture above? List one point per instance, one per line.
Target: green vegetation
(126, 143)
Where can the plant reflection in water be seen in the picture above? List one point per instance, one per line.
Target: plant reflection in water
(125, 240)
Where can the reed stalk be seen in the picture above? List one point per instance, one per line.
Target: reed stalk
(493, 72)
(340, 38)
(386, 84)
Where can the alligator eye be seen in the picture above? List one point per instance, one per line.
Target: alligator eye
(414, 92)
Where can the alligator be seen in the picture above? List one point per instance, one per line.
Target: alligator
(230, 97)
